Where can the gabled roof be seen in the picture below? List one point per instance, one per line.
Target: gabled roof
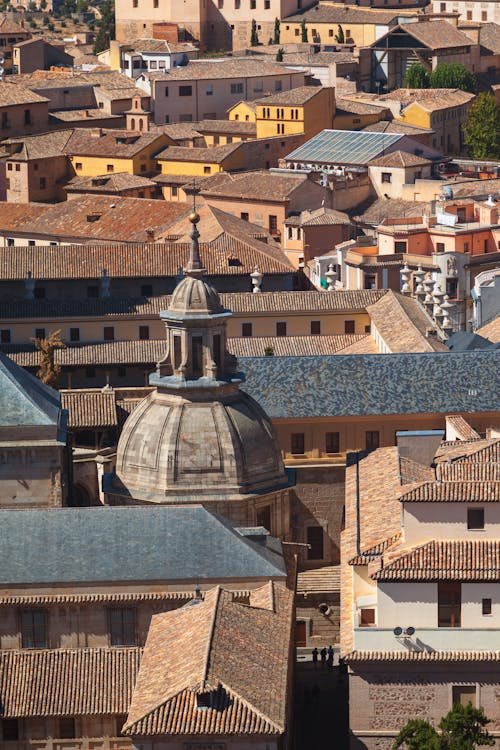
(25, 400)
(491, 330)
(77, 545)
(293, 97)
(333, 13)
(448, 560)
(256, 185)
(67, 682)
(119, 144)
(490, 39)
(235, 654)
(399, 159)
(402, 323)
(434, 34)
(229, 67)
(41, 146)
(212, 155)
(11, 95)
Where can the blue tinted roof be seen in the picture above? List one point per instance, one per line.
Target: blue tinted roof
(372, 384)
(344, 147)
(25, 400)
(77, 545)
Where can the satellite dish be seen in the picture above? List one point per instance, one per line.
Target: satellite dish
(398, 631)
(409, 631)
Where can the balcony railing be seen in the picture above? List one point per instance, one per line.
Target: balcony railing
(426, 639)
(82, 743)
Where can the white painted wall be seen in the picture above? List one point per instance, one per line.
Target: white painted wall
(472, 596)
(424, 522)
(406, 604)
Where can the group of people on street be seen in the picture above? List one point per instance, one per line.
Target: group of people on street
(326, 656)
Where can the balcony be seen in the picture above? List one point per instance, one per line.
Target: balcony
(84, 743)
(426, 639)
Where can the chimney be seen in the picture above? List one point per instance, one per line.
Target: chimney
(473, 31)
(96, 133)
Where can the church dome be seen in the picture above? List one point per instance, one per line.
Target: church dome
(195, 296)
(177, 449)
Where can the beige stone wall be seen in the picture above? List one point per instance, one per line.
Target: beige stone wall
(382, 697)
(41, 472)
(35, 180)
(16, 126)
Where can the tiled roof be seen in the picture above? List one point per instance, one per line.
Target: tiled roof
(94, 598)
(435, 34)
(42, 146)
(8, 26)
(230, 67)
(396, 126)
(231, 127)
(333, 14)
(491, 330)
(475, 451)
(449, 560)
(302, 301)
(490, 38)
(134, 351)
(402, 323)
(454, 492)
(86, 545)
(290, 346)
(161, 45)
(119, 144)
(255, 185)
(11, 95)
(365, 384)
(95, 115)
(27, 402)
(467, 471)
(411, 471)
(326, 579)
(382, 209)
(89, 409)
(422, 656)
(350, 106)
(461, 427)
(67, 682)
(295, 97)
(318, 217)
(371, 553)
(237, 654)
(430, 99)
(212, 155)
(399, 159)
(108, 183)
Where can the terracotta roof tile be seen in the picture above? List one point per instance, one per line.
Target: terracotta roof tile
(89, 681)
(475, 451)
(42, 146)
(236, 653)
(90, 408)
(461, 427)
(231, 67)
(399, 159)
(122, 144)
(402, 323)
(212, 155)
(317, 580)
(108, 183)
(491, 330)
(454, 492)
(290, 346)
(437, 34)
(467, 471)
(429, 99)
(297, 96)
(449, 560)
(370, 554)
(253, 185)
(326, 13)
(422, 656)
(11, 95)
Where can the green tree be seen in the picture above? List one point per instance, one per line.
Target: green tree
(254, 37)
(279, 54)
(106, 30)
(482, 129)
(303, 30)
(340, 36)
(453, 76)
(463, 728)
(276, 35)
(417, 77)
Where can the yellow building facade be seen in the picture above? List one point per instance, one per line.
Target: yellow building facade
(141, 162)
(243, 111)
(305, 110)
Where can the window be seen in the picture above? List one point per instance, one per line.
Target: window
(449, 605)
(143, 333)
(39, 333)
(484, 15)
(273, 224)
(253, 4)
(9, 166)
(246, 329)
(216, 140)
(10, 730)
(209, 90)
(475, 518)
(440, 247)
(109, 333)
(152, 66)
(5, 336)
(237, 4)
(146, 290)
(207, 170)
(34, 628)
(281, 328)
(370, 281)
(442, 7)
(263, 517)
(10, 242)
(122, 627)
(297, 443)
(463, 694)
(315, 327)
(78, 165)
(236, 88)
(486, 606)
(177, 351)
(386, 177)
(166, 94)
(244, 216)
(372, 440)
(315, 542)
(90, 372)
(469, 14)
(67, 729)
(332, 442)
(278, 85)
(43, 183)
(452, 288)
(74, 334)
(367, 617)
(400, 247)
(110, 167)
(185, 90)
(135, 3)
(349, 326)
(267, 4)
(220, 4)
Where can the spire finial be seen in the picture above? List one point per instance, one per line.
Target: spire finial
(194, 266)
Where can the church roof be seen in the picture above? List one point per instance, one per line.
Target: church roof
(80, 545)
(25, 400)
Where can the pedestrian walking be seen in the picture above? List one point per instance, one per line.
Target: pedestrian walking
(329, 661)
(330, 651)
(315, 653)
(323, 653)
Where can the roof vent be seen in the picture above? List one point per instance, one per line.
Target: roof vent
(93, 217)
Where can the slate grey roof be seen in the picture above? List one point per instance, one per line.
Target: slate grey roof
(25, 400)
(81, 545)
(370, 384)
(344, 147)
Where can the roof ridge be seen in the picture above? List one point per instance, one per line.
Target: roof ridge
(216, 604)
